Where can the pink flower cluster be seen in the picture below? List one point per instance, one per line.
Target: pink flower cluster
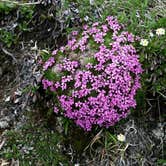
(48, 63)
(98, 92)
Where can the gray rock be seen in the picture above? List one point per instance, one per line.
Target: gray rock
(4, 124)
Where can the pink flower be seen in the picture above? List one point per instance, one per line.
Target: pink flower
(56, 110)
(95, 24)
(48, 63)
(54, 52)
(46, 83)
(105, 28)
(85, 27)
(75, 33)
(102, 91)
(62, 49)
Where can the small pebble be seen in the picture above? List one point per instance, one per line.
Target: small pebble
(4, 124)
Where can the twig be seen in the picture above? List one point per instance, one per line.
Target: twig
(4, 162)
(21, 4)
(162, 94)
(10, 54)
(158, 103)
(2, 143)
(149, 105)
(97, 136)
(132, 127)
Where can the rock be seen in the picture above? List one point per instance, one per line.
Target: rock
(4, 124)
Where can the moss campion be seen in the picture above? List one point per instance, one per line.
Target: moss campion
(95, 76)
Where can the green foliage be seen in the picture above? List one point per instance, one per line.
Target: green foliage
(108, 39)
(6, 7)
(139, 17)
(50, 75)
(140, 20)
(135, 14)
(153, 58)
(26, 13)
(7, 37)
(45, 55)
(110, 139)
(161, 162)
(140, 98)
(30, 88)
(34, 145)
(10, 35)
(66, 123)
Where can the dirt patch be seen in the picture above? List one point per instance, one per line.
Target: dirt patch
(17, 78)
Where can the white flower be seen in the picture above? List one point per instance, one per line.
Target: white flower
(91, 2)
(151, 34)
(76, 164)
(7, 99)
(160, 31)
(144, 42)
(121, 137)
(86, 18)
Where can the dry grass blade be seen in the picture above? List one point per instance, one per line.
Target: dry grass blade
(160, 7)
(97, 137)
(18, 3)
(3, 162)
(2, 143)
(15, 162)
(10, 54)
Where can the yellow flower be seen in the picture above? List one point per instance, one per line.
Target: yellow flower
(160, 31)
(121, 137)
(144, 42)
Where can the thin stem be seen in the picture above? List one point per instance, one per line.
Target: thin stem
(21, 4)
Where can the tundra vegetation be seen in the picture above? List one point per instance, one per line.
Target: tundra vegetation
(82, 82)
